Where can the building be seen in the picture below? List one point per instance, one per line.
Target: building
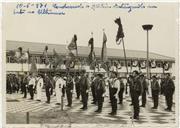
(36, 50)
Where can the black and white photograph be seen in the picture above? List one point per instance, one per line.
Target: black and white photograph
(90, 64)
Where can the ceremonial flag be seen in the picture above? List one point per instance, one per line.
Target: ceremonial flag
(120, 33)
(57, 59)
(18, 54)
(73, 45)
(33, 66)
(91, 56)
(45, 54)
(104, 49)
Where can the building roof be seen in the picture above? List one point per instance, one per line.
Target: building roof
(38, 48)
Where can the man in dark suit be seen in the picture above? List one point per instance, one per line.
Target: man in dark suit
(136, 92)
(84, 87)
(169, 91)
(144, 85)
(155, 91)
(48, 87)
(69, 89)
(100, 92)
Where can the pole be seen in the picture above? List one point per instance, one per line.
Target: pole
(125, 55)
(147, 62)
(27, 117)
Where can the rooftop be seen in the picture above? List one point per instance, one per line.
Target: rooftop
(38, 48)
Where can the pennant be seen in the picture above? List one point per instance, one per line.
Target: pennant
(135, 63)
(142, 64)
(120, 33)
(104, 49)
(166, 66)
(153, 64)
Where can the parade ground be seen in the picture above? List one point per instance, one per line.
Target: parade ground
(41, 112)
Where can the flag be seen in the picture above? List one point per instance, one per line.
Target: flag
(57, 59)
(25, 56)
(166, 66)
(142, 64)
(73, 44)
(120, 33)
(33, 66)
(45, 54)
(91, 57)
(153, 64)
(135, 63)
(18, 54)
(104, 49)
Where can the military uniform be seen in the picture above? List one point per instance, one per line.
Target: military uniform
(77, 86)
(69, 90)
(168, 92)
(115, 84)
(136, 92)
(93, 89)
(84, 88)
(39, 86)
(121, 91)
(155, 92)
(144, 91)
(100, 92)
(48, 88)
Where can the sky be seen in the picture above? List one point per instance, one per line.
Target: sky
(59, 29)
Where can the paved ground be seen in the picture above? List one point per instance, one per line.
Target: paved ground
(50, 113)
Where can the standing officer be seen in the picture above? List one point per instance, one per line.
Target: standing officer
(155, 91)
(100, 92)
(115, 83)
(144, 89)
(77, 86)
(130, 84)
(39, 86)
(69, 89)
(84, 87)
(48, 87)
(136, 92)
(169, 91)
(31, 86)
(25, 84)
(121, 91)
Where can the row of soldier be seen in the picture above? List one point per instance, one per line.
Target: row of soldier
(98, 85)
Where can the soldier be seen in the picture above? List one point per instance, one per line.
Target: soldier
(115, 84)
(39, 86)
(136, 92)
(155, 91)
(130, 84)
(169, 91)
(31, 86)
(121, 91)
(144, 89)
(100, 92)
(77, 86)
(93, 88)
(58, 83)
(25, 84)
(84, 87)
(69, 89)
(48, 87)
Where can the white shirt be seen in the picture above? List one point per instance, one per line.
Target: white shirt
(59, 82)
(32, 81)
(40, 82)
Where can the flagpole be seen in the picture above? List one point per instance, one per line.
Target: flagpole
(124, 50)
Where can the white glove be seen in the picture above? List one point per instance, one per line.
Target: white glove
(71, 91)
(116, 96)
(87, 91)
(103, 95)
